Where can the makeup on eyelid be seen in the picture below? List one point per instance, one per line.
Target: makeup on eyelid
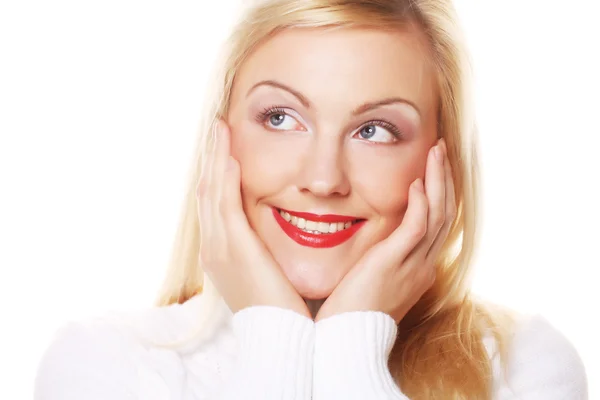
(382, 119)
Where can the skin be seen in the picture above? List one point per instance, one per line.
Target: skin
(316, 164)
(321, 160)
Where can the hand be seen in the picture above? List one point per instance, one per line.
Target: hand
(393, 275)
(235, 259)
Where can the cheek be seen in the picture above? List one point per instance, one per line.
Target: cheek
(268, 161)
(382, 179)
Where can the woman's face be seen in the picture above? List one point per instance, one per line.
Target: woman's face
(332, 127)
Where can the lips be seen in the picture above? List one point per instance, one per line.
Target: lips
(324, 231)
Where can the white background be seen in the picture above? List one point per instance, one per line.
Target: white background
(99, 105)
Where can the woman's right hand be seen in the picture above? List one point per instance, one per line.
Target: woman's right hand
(235, 259)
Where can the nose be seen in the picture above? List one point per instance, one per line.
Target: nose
(324, 171)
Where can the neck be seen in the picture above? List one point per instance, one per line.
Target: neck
(314, 306)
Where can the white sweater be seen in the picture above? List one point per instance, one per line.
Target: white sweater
(268, 353)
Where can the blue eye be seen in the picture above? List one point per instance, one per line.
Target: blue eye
(368, 131)
(376, 131)
(282, 121)
(277, 118)
(380, 132)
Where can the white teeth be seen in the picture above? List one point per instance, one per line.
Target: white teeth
(323, 227)
(301, 223)
(314, 227)
(311, 226)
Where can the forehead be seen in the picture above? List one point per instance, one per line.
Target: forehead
(347, 65)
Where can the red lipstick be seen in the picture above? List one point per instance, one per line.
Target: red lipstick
(324, 240)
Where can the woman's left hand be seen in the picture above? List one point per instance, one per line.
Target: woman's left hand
(393, 275)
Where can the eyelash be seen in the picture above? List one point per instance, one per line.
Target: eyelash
(269, 111)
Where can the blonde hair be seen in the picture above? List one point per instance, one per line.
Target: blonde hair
(439, 352)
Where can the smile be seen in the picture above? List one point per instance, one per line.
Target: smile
(320, 231)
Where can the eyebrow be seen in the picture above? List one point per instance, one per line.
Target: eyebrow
(358, 110)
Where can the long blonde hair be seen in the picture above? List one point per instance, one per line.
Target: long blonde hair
(439, 352)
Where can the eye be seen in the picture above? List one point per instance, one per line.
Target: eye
(277, 118)
(379, 131)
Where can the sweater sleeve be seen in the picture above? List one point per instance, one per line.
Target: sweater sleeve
(275, 355)
(351, 356)
(543, 365)
(103, 361)
(352, 351)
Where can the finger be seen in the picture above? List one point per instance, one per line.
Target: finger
(218, 173)
(435, 189)
(203, 187)
(451, 210)
(227, 174)
(206, 162)
(204, 201)
(219, 166)
(232, 216)
(203, 211)
(208, 194)
(413, 227)
(231, 202)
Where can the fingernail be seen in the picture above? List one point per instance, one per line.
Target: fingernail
(418, 184)
(230, 163)
(438, 154)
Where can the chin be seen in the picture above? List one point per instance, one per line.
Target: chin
(309, 292)
(311, 283)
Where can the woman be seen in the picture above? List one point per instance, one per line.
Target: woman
(328, 232)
